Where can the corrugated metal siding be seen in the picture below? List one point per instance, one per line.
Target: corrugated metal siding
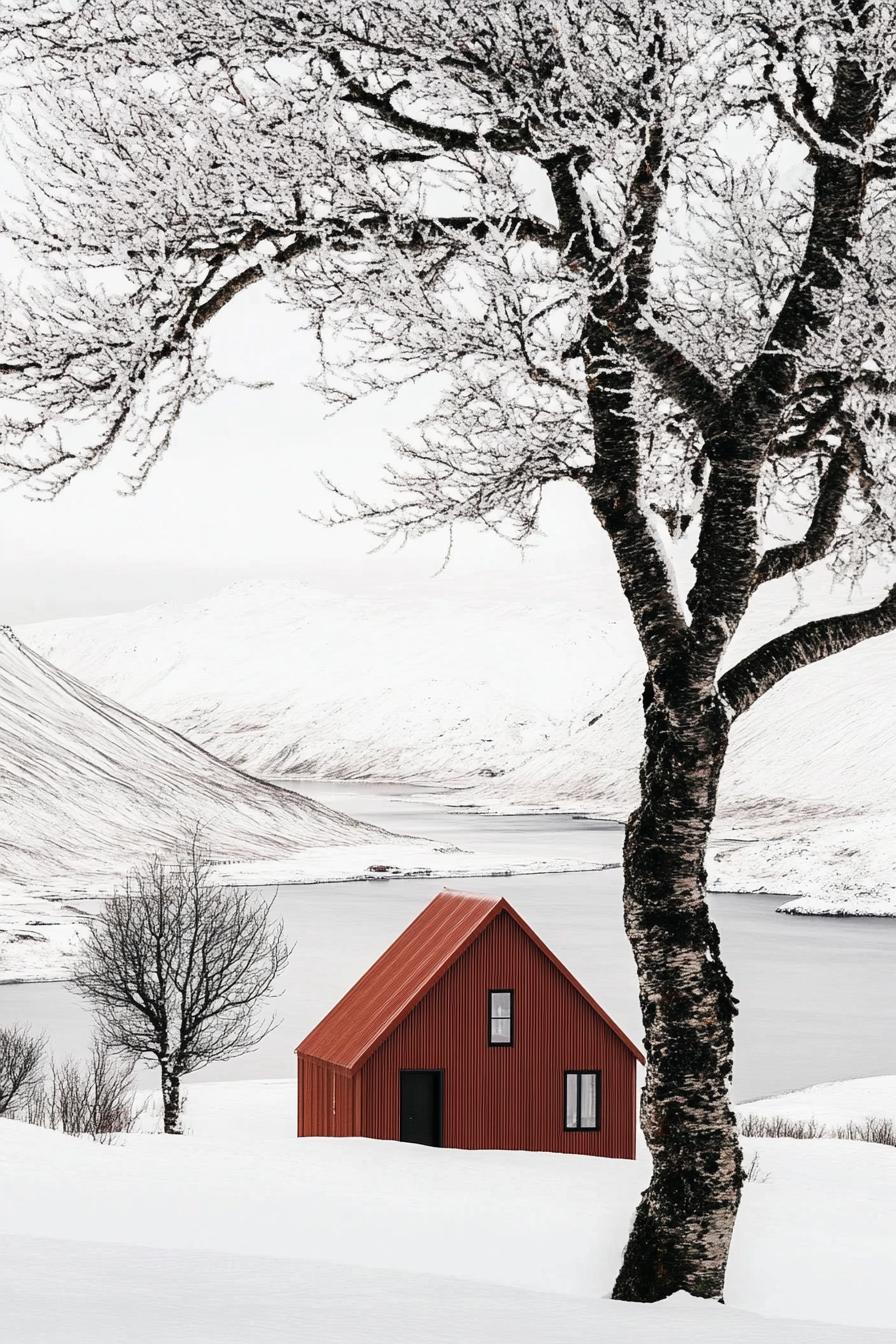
(505, 1097)
(398, 978)
(327, 1100)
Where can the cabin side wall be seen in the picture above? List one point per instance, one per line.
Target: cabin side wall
(505, 1096)
(328, 1100)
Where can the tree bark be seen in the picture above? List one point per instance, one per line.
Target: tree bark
(171, 1100)
(683, 1225)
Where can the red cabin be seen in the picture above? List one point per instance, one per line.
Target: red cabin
(469, 1033)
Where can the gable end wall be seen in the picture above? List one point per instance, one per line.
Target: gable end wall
(505, 1096)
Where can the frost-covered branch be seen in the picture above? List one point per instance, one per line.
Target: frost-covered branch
(823, 527)
(536, 213)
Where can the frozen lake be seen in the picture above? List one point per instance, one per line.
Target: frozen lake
(816, 995)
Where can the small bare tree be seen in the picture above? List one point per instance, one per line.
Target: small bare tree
(175, 967)
(21, 1059)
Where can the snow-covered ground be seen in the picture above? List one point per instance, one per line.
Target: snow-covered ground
(531, 690)
(88, 789)
(237, 1233)
(830, 1104)
(844, 865)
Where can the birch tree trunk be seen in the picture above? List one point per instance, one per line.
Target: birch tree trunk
(683, 1225)
(171, 1100)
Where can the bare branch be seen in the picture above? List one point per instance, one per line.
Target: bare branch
(749, 679)
(822, 530)
(21, 1061)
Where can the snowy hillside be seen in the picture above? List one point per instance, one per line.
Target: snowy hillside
(809, 783)
(809, 742)
(529, 694)
(354, 1239)
(86, 781)
(441, 679)
(88, 789)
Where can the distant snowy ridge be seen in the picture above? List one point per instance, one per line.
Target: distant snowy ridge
(529, 695)
(808, 790)
(88, 789)
(441, 680)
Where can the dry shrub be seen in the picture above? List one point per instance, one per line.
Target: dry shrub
(754, 1172)
(94, 1097)
(779, 1127)
(873, 1129)
(21, 1064)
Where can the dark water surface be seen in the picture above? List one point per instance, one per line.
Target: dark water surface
(818, 996)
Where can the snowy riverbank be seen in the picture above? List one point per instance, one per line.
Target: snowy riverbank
(40, 922)
(842, 865)
(240, 1234)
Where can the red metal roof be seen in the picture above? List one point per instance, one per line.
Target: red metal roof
(395, 984)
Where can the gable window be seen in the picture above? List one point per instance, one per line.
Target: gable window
(500, 1017)
(581, 1098)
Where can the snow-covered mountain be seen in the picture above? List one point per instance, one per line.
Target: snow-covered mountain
(820, 741)
(808, 792)
(441, 680)
(86, 783)
(88, 789)
(535, 689)
(530, 692)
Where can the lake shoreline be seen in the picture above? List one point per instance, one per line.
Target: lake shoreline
(816, 1002)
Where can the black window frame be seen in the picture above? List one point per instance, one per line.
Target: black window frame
(578, 1074)
(502, 1045)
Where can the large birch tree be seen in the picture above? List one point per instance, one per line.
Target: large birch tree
(648, 249)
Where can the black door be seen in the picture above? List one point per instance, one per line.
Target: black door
(421, 1106)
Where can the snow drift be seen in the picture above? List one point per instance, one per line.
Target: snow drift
(237, 1233)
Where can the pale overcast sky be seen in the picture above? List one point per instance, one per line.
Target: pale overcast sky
(225, 503)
